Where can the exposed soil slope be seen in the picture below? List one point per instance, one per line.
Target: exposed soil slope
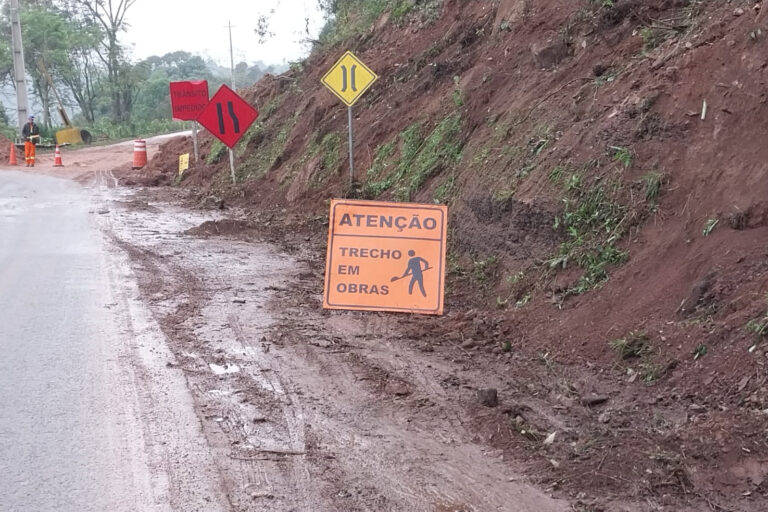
(605, 166)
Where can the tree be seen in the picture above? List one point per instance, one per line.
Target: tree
(110, 16)
(152, 100)
(45, 34)
(83, 75)
(59, 49)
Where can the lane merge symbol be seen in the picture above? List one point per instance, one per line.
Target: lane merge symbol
(227, 116)
(231, 110)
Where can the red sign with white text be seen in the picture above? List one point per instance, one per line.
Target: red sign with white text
(188, 99)
(227, 116)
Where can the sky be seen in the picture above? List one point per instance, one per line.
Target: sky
(200, 27)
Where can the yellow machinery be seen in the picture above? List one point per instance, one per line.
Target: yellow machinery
(70, 134)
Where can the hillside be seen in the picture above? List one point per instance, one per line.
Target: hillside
(605, 167)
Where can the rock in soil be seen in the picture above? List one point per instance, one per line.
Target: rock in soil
(488, 397)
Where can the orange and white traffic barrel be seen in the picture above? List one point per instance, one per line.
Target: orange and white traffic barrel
(139, 153)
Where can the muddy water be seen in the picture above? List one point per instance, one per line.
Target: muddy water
(301, 415)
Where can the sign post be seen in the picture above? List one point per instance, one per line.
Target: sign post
(348, 79)
(228, 116)
(351, 143)
(386, 256)
(188, 99)
(194, 141)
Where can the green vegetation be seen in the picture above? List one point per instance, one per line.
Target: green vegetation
(445, 192)
(255, 131)
(347, 18)
(483, 269)
(607, 77)
(419, 158)
(593, 221)
(632, 346)
(402, 7)
(381, 163)
(651, 372)
(652, 182)
(623, 156)
(759, 327)
(73, 49)
(651, 38)
(217, 150)
(520, 160)
(264, 153)
(556, 174)
(270, 108)
(709, 226)
(138, 127)
(541, 138)
(458, 93)
(329, 149)
(636, 345)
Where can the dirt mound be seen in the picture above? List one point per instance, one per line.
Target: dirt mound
(162, 169)
(605, 171)
(221, 228)
(6, 146)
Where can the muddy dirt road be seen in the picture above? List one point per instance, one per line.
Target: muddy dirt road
(199, 373)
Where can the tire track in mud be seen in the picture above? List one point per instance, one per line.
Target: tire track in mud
(251, 420)
(396, 432)
(400, 429)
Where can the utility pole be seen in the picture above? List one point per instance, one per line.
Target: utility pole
(19, 72)
(232, 70)
(231, 58)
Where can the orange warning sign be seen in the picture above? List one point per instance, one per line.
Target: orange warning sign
(386, 257)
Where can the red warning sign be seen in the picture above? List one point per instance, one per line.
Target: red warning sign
(386, 257)
(188, 99)
(227, 116)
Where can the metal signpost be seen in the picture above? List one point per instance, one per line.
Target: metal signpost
(228, 116)
(188, 99)
(348, 79)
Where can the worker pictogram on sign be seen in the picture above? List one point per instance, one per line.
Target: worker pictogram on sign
(416, 272)
(349, 78)
(227, 116)
(386, 257)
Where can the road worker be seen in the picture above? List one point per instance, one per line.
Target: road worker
(31, 135)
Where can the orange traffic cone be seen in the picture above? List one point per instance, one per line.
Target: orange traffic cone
(12, 159)
(139, 153)
(57, 158)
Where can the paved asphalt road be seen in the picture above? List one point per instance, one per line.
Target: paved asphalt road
(79, 430)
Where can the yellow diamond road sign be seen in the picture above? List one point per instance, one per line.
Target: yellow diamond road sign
(349, 78)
